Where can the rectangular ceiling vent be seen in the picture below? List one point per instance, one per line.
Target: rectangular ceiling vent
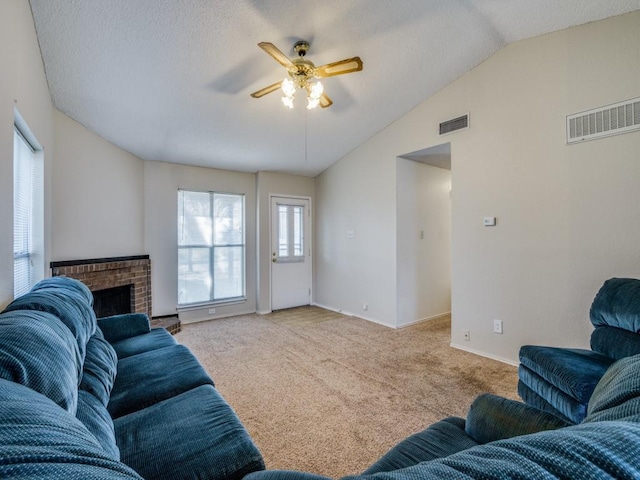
(453, 125)
(622, 117)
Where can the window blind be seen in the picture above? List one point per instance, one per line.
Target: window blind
(23, 195)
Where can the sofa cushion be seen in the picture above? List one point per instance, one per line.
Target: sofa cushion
(617, 396)
(100, 366)
(156, 338)
(574, 371)
(70, 307)
(202, 432)
(39, 352)
(614, 342)
(39, 440)
(617, 304)
(441, 439)
(124, 325)
(577, 410)
(536, 391)
(150, 377)
(94, 415)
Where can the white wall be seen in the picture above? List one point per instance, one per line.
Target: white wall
(423, 241)
(356, 234)
(268, 184)
(161, 184)
(23, 86)
(98, 198)
(567, 215)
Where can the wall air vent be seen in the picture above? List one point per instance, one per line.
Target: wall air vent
(622, 117)
(450, 126)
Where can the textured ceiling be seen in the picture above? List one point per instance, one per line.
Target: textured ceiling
(169, 80)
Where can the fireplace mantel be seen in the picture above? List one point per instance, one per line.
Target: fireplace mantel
(102, 273)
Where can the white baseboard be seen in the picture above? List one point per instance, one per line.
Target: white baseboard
(427, 319)
(483, 354)
(349, 314)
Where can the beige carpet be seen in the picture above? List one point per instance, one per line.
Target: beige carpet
(329, 394)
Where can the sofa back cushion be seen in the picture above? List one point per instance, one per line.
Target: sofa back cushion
(617, 395)
(617, 304)
(39, 352)
(39, 440)
(614, 342)
(100, 367)
(70, 307)
(65, 283)
(94, 415)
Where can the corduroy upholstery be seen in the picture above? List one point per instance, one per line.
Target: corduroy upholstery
(605, 446)
(60, 377)
(565, 377)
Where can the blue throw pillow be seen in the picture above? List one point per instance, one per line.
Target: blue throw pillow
(39, 352)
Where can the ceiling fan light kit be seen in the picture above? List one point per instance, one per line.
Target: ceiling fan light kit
(303, 74)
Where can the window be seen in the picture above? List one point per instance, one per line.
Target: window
(290, 233)
(28, 258)
(211, 247)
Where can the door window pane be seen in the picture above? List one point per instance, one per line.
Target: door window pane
(283, 231)
(298, 238)
(290, 233)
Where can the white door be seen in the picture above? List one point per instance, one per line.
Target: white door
(290, 252)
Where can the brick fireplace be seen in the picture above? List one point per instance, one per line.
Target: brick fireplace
(102, 274)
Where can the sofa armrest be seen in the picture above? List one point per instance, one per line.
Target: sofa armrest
(127, 325)
(492, 418)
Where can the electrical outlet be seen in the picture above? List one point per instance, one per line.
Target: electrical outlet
(467, 336)
(212, 310)
(497, 326)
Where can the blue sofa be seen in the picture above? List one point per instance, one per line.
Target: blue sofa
(109, 398)
(505, 439)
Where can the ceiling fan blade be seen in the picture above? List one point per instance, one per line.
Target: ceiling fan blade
(348, 65)
(262, 92)
(279, 57)
(325, 101)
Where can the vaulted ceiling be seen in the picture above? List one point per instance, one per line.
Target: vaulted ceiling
(170, 80)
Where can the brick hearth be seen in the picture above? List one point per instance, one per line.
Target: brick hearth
(102, 273)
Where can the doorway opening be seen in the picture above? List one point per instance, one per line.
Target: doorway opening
(423, 242)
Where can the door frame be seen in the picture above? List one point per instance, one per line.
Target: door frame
(309, 244)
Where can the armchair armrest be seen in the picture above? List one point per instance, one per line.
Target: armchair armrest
(492, 418)
(126, 325)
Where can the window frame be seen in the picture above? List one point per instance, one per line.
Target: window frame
(212, 247)
(33, 221)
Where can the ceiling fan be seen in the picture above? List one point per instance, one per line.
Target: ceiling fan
(304, 74)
